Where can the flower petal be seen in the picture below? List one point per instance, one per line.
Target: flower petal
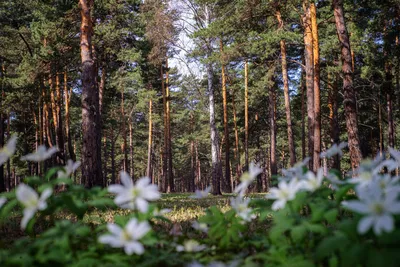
(365, 224)
(383, 223)
(111, 240)
(114, 229)
(26, 195)
(126, 179)
(141, 230)
(356, 206)
(142, 205)
(28, 214)
(134, 247)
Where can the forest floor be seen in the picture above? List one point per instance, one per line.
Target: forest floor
(183, 211)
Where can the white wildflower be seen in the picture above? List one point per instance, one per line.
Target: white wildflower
(130, 196)
(297, 171)
(8, 150)
(284, 193)
(31, 201)
(3, 200)
(334, 150)
(162, 212)
(203, 227)
(378, 208)
(69, 169)
(247, 178)
(41, 154)
(312, 181)
(127, 237)
(198, 194)
(190, 246)
(241, 206)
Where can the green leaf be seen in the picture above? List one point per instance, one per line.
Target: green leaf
(342, 192)
(330, 244)
(331, 215)
(316, 228)
(298, 232)
(317, 212)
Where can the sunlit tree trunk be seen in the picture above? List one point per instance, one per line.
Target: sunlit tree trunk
(150, 142)
(227, 183)
(91, 132)
(67, 101)
(309, 64)
(303, 115)
(350, 104)
(285, 77)
(237, 152)
(317, 101)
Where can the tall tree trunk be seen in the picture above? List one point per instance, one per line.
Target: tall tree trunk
(67, 101)
(246, 115)
(91, 132)
(9, 161)
(389, 99)
(131, 161)
(59, 129)
(333, 115)
(317, 101)
(113, 180)
(2, 180)
(171, 186)
(192, 176)
(309, 60)
(237, 152)
(165, 151)
(52, 83)
(303, 115)
(215, 156)
(150, 143)
(350, 104)
(285, 77)
(227, 184)
(272, 125)
(124, 136)
(105, 171)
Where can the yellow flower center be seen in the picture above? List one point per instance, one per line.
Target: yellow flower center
(377, 208)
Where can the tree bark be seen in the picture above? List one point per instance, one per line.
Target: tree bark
(124, 135)
(91, 132)
(150, 143)
(2, 132)
(246, 115)
(165, 151)
(333, 115)
(309, 62)
(272, 119)
(171, 186)
(285, 77)
(303, 114)
(237, 152)
(350, 104)
(67, 101)
(131, 161)
(215, 156)
(317, 101)
(227, 184)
